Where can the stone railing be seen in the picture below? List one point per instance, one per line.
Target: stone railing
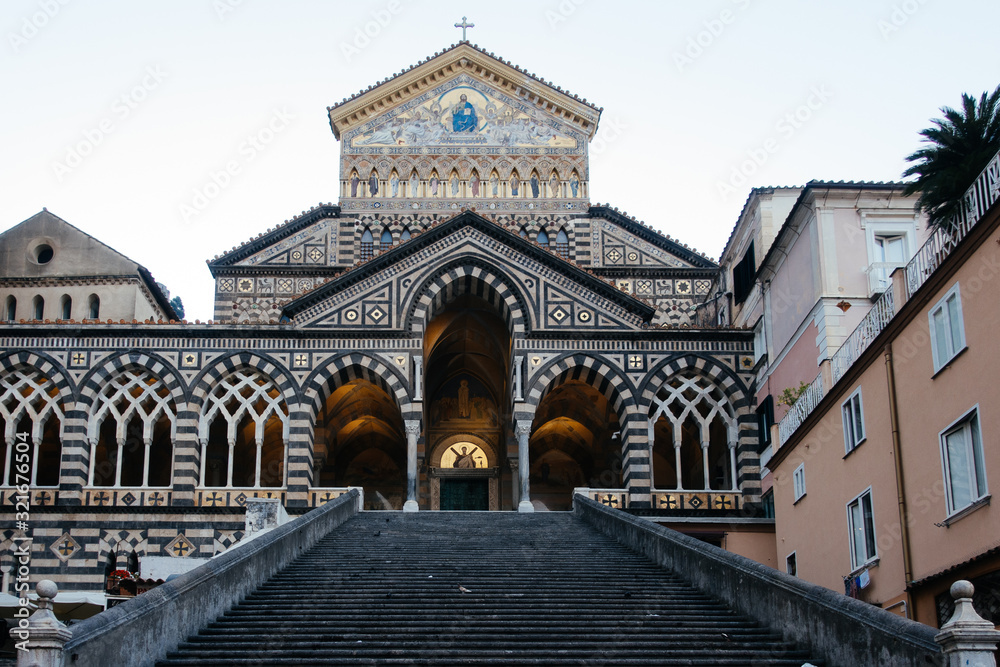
(834, 627)
(797, 414)
(142, 630)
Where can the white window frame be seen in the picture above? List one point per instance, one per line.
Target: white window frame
(792, 558)
(853, 532)
(875, 225)
(975, 467)
(855, 406)
(799, 482)
(955, 346)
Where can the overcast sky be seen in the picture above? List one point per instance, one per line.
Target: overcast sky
(118, 113)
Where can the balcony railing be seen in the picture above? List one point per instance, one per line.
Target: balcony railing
(807, 402)
(859, 340)
(977, 200)
(878, 276)
(983, 194)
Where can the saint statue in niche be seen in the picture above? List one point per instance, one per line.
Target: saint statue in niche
(434, 186)
(354, 184)
(515, 184)
(373, 185)
(474, 183)
(394, 184)
(454, 186)
(534, 186)
(553, 186)
(463, 399)
(494, 184)
(463, 116)
(414, 184)
(574, 185)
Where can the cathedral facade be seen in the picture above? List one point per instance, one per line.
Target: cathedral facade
(463, 330)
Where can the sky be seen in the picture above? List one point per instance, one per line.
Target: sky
(122, 116)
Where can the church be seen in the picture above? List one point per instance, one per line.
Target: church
(463, 330)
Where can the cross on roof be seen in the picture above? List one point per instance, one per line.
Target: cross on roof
(465, 25)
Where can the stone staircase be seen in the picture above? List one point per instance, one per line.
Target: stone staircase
(479, 588)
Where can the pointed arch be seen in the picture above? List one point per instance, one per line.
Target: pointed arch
(366, 247)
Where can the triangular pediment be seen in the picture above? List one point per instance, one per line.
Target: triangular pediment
(546, 292)
(509, 105)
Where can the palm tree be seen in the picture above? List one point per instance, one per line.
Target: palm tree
(959, 147)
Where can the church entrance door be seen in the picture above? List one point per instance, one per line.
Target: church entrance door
(465, 494)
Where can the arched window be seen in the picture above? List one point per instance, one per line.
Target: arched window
(31, 418)
(243, 432)
(523, 233)
(543, 239)
(132, 429)
(94, 306)
(405, 236)
(694, 436)
(66, 306)
(386, 241)
(562, 244)
(367, 246)
(38, 307)
(10, 310)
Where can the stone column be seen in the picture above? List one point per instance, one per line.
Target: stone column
(412, 433)
(704, 464)
(967, 640)
(523, 432)
(45, 634)
(418, 379)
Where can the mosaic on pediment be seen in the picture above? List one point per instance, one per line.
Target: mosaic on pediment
(463, 112)
(617, 247)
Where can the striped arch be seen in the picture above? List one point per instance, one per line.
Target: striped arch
(736, 393)
(728, 381)
(591, 370)
(264, 364)
(93, 382)
(61, 405)
(43, 363)
(341, 370)
(468, 276)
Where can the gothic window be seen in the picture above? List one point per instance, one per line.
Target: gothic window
(542, 239)
(367, 246)
(386, 241)
(243, 431)
(11, 309)
(94, 306)
(562, 244)
(38, 307)
(132, 429)
(523, 233)
(693, 431)
(405, 236)
(66, 307)
(31, 417)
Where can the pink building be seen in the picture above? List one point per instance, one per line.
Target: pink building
(881, 471)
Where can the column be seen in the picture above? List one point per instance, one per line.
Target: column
(412, 433)
(732, 465)
(418, 369)
(704, 462)
(523, 432)
(677, 458)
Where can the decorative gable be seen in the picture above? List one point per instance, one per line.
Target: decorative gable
(541, 291)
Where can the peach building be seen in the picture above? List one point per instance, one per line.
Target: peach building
(881, 471)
